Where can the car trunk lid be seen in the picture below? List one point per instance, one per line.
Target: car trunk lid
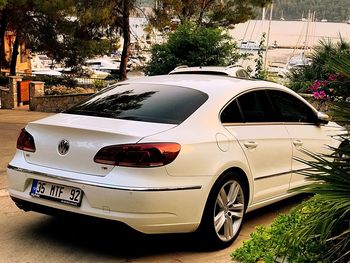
(84, 136)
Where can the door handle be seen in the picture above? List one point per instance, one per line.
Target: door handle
(250, 145)
(298, 143)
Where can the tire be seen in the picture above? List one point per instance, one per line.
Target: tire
(224, 212)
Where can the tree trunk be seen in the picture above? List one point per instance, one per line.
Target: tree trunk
(14, 57)
(3, 27)
(126, 44)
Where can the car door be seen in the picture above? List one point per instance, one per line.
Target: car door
(301, 124)
(251, 119)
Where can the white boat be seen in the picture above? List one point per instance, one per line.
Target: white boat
(295, 62)
(102, 64)
(298, 61)
(249, 45)
(46, 72)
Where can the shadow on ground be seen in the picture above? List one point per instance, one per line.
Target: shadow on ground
(113, 239)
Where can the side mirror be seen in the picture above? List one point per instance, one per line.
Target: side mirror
(322, 118)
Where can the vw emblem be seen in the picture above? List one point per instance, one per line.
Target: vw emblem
(63, 147)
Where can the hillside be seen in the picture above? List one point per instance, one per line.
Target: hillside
(338, 11)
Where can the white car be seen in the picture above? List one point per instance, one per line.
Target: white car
(174, 153)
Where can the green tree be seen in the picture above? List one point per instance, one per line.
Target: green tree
(191, 46)
(106, 20)
(67, 31)
(205, 12)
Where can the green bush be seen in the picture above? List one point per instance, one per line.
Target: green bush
(272, 243)
(99, 84)
(69, 81)
(191, 46)
(64, 80)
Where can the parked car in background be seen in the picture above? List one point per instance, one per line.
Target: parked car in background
(171, 154)
(232, 71)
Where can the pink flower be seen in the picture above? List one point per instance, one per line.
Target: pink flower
(315, 86)
(316, 95)
(322, 94)
(332, 77)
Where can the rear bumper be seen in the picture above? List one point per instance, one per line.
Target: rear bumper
(158, 208)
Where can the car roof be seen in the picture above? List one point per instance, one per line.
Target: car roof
(211, 70)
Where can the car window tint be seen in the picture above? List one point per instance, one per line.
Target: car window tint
(291, 108)
(231, 114)
(143, 102)
(256, 107)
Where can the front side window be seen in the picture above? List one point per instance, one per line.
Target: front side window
(291, 108)
(256, 107)
(143, 102)
(253, 106)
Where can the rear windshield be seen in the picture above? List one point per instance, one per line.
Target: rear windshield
(143, 102)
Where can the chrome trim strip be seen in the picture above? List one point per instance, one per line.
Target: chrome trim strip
(230, 124)
(279, 174)
(108, 186)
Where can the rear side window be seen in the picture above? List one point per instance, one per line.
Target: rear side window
(143, 102)
(291, 108)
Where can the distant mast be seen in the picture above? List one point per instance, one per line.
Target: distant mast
(263, 14)
(306, 43)
(268, 38)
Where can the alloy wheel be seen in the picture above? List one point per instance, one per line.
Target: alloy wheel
(229, 210)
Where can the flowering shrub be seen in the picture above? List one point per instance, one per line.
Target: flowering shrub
(329, 88)
(319, 89)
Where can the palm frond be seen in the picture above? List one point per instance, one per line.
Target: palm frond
(327, 220)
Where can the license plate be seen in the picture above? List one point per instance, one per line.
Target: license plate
(56, 192)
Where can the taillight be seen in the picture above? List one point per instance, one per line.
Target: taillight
(138, 155)
(25, 141)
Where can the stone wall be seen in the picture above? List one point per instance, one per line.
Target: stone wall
(55, 103)
(8, 95)
(37, 99)
(51, 103)
(5, 98)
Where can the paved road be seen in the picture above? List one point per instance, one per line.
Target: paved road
(32, 237)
